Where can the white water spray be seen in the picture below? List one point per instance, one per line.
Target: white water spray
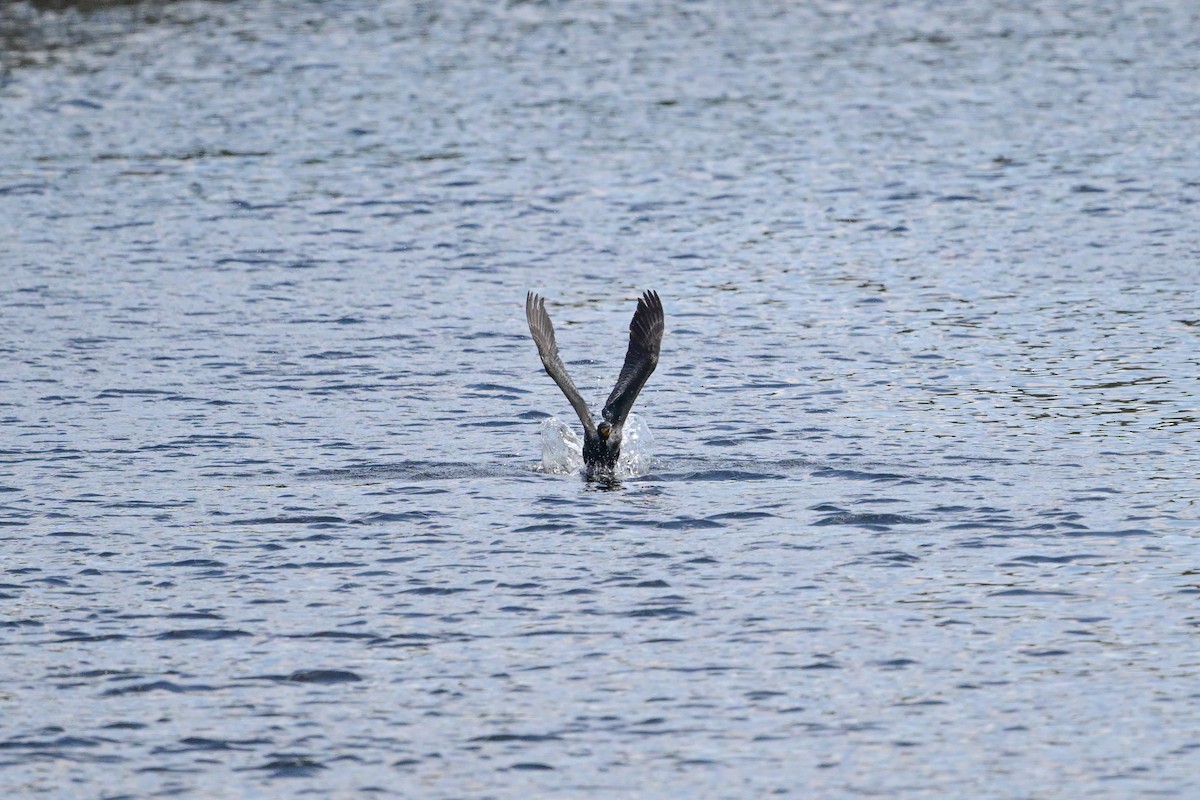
(562, 448)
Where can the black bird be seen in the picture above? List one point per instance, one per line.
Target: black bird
(602, 443)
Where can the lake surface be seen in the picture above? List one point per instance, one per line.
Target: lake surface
(922, 508)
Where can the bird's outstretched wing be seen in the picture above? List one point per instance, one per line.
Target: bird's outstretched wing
(645, 340)
(543, 335)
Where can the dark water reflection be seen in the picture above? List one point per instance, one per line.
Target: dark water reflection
(37, 32)
(920, 520)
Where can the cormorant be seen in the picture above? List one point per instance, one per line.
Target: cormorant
(602, 443)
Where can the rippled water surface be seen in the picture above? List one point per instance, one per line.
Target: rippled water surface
(921, 507)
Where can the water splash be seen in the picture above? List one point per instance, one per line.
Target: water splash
(637, 448)
(562, 448)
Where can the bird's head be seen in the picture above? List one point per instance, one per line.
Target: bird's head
(604, 429)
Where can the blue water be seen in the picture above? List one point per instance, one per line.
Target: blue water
(920, 511)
